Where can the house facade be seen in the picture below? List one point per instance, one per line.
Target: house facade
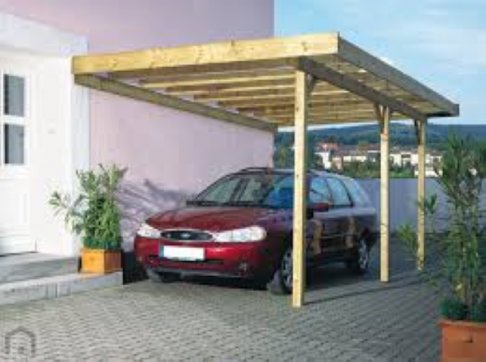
(50, 127)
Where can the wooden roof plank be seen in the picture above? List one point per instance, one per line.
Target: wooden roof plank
(218, 79)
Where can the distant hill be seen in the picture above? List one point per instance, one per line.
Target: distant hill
(400, 134)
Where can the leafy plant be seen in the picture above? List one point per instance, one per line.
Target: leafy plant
(93, 214)
(460, 249)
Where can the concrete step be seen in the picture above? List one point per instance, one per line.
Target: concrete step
(29, 266)
(56, 286)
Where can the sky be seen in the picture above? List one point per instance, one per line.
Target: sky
(441, 43)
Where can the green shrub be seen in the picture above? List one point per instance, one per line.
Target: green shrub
(453, 309)
(478, 314)
(94, 214)
(460, 250)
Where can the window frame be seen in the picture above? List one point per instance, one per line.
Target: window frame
(323, 179)
(351, 203)
(363, 199)
(13, 169)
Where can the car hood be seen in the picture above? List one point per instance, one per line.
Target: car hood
(211, 218)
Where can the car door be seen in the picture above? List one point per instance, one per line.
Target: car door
(319, 192)
(342, 215)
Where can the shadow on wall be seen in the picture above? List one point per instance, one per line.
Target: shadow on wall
(140, 200)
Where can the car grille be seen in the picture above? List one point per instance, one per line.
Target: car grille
(186, 235)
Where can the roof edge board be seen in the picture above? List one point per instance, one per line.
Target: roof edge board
(341, 80)
(360, 58)
(220, 53)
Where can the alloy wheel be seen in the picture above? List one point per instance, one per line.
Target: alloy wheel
(286, 269)
(363, 255)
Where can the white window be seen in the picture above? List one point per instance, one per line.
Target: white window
(13, 120)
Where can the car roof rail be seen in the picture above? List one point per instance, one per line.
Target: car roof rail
(256, 169)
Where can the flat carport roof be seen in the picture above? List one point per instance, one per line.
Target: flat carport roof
(268, 83)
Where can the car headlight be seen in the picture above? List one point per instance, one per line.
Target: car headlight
(147, 231)
(252, 233)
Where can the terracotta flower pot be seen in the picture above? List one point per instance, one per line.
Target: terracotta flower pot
(463, 341)
(100, 261)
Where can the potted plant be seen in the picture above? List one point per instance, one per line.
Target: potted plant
(95, 217)
(458, 263)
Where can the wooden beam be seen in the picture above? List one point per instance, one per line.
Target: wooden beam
(366, 61)
(323, 122)
(340, 80)
(302, 92)
(265, 94)
(323, 109)
(421, 144)
(325, 118)
(354, 106)
(241, 52)
(225, 89)
(202, 70)
(227, 83)
(288, 109)
(227, 93)
(215, 77)
(383, 114)
(134, 92)
(238, 83)
(266, 101)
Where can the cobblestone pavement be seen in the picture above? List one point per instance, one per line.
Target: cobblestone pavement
(347, 318)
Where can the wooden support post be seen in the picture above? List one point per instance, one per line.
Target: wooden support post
(420, 128)
(302, 90)
(384, 115)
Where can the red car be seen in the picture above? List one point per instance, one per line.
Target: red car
(241, 226)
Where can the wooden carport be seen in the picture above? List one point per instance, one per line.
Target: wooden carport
(268, 83)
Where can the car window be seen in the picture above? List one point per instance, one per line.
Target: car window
(282, 194)
(319, 191)
(357, 193)
(223, 191)
(253, 189)
(339, 194)
(245, 189)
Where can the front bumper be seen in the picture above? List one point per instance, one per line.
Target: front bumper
(241, 260)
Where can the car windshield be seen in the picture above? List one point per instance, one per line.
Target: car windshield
(250, 189)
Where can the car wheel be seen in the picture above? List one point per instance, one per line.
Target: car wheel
(157, 277)
(361, 261)
(281, 282)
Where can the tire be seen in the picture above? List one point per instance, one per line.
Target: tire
(157, 277)
(360, 263)
(281, 282)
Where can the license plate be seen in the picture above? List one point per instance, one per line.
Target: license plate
(181, 253)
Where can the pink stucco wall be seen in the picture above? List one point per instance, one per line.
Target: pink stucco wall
(169, 154)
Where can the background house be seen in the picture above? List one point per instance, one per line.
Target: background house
(51, 127)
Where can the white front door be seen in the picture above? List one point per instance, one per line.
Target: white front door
(14, 160)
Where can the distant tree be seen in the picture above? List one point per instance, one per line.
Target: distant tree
(363, 145)
(331, 139)
(358, 169)
(283, 156)
(482, 156)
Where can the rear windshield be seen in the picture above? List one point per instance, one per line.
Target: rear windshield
(359, 196)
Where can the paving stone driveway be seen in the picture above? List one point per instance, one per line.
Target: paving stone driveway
(347, 318)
